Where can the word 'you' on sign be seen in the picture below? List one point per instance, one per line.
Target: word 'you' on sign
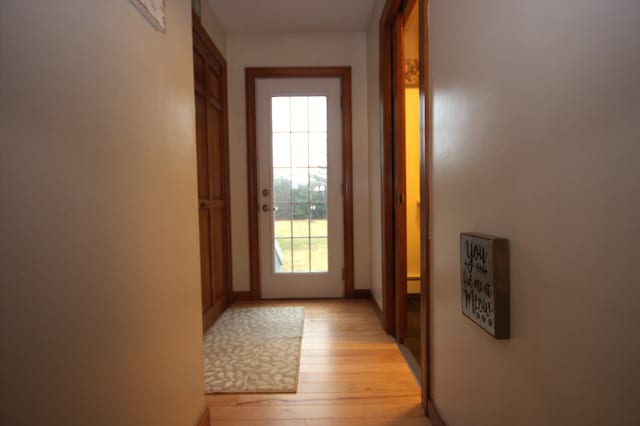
(484, 272)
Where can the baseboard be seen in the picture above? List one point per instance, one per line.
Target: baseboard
(239, 296)
(434, 415)
(205, 419)
(362, 293)
(242, 295)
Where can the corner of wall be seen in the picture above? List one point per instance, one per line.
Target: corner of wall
(373, 135)
(211, 23)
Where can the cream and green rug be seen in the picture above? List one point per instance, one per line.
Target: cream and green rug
(254, 349)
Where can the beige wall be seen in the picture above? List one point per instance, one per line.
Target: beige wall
(374, 127)
(211, 23)
(536, 138)
(279, 50)
(100, 299)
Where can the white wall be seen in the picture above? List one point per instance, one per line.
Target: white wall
(374, 126)
(211, 23)
(536, 138)
(100, 304)
(280, 50)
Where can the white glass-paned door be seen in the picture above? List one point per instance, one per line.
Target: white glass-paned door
(299, 151)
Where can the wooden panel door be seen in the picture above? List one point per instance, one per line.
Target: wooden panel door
(213, 175)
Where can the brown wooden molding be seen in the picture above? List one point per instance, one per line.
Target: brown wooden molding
(407, 9)
(344, 74)
(252, 180)
(202, 33)
(195, 18)
(205, 418)
(362, 293)
(386, 162)
(425, 205)
(396, 11)
(434, 414)
(399, 180)
(239, 296)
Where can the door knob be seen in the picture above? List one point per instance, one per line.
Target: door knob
(203, 204)
(266, 208)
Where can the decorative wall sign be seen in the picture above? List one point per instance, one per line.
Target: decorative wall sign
(484, 269)
(153, 10)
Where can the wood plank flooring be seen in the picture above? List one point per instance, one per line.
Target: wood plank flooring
(351, 373)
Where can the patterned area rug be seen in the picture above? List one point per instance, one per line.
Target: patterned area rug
(254, 350)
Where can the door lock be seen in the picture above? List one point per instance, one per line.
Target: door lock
(266, 208)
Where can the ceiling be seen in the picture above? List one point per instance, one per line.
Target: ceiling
(293, 16)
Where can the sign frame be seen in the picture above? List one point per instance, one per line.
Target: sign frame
(484, 280)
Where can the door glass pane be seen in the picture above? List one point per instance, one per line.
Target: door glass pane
(301, 261)
(282, 258)
(301, 223)
(280, 115)
(318, 226)
(300, 149)
(317, 114)
(299, 114)
(318, 149)
(299, 146)
(281, 150)
(319, 254)
(318, 185)
(300, 185)
(281, 185)
(282, 225)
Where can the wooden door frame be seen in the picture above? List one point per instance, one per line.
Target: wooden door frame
(344, 75)
(399, 165)
(390, 15)
(201, 33)
(393, 122)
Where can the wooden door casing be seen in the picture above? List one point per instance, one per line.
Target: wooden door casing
(213, 175)
(392, 119)
(344, 74)
(400, 181)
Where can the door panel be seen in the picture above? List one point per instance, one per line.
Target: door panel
(202, 147)
(213, 176)
(300, 196)
(205, 258)
(214, 134)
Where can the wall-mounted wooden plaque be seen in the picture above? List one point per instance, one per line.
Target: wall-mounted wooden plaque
(484, 273)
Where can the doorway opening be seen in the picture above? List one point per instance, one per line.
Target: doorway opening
(405, 187)
(300, 182)
(411, 337)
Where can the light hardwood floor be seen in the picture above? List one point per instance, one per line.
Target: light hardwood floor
(351, 373)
